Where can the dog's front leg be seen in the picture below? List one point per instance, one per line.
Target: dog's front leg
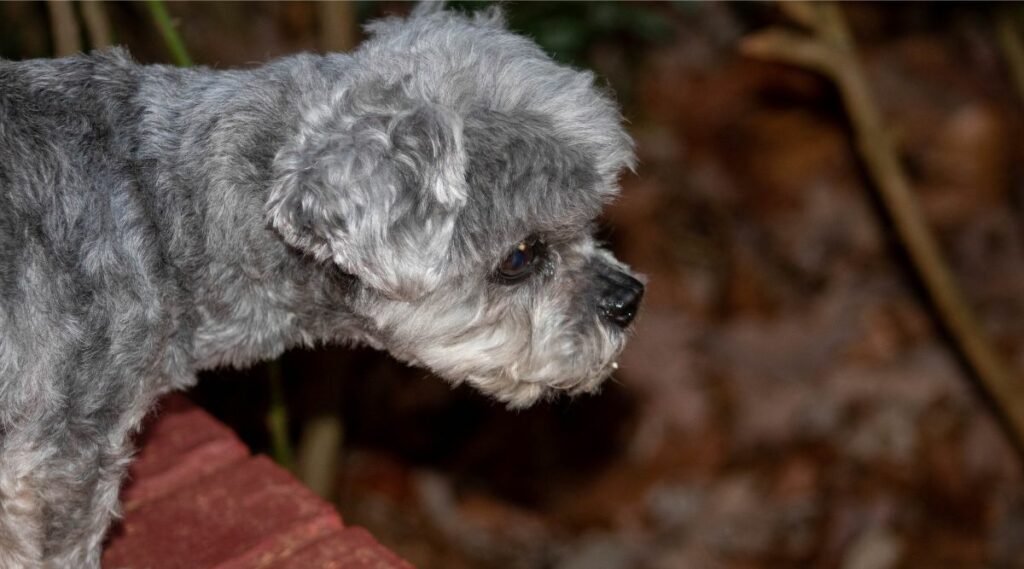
(81, 500)
(59, 489)
(56, 515)
(21, 511)
(79, 510)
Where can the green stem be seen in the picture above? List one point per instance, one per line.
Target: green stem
(1009, 35)
(277, 419)
(170, 34)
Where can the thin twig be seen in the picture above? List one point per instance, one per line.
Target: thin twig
(166, 26)
(832, 54)
(64, 27)
(337, 23)
(277, 419)
(1009, 32)
(97, 25)
(318, 454)
(792, 48)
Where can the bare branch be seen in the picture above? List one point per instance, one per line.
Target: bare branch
(1009, 32)
(829, 50)
(337, 25)
(64, 28)
(97, 25)
(789, 47)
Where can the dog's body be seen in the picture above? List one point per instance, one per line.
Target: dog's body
(156, 221)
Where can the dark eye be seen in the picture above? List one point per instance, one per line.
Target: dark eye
(520, 263)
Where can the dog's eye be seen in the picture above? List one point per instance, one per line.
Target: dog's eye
(520, 262)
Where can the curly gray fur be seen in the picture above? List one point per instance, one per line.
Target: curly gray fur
(156, 221)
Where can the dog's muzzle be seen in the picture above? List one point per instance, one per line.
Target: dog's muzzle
(619, 297)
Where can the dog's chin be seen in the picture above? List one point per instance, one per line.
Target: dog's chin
(517, 356)
(523, 393)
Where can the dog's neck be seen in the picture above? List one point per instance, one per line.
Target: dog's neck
(205, 149)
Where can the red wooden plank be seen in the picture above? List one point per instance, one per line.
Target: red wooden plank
(249, 513)
(179, 444)
(350, 548)
(196, 500)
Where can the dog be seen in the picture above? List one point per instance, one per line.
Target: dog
(432, 194)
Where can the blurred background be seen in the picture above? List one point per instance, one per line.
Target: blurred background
(789, 398)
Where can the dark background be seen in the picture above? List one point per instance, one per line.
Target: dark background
(788, 400)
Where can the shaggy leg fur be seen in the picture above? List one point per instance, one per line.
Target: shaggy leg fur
(21, 519)
(58, 499)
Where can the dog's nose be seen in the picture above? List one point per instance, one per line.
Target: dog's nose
(621, 298)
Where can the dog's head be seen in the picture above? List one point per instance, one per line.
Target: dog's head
(457, 174)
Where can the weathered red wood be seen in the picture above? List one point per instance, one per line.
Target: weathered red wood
(196, 500)
(178, 444)
(351, 548)
(223, 520)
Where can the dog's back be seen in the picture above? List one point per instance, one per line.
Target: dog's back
(75, 242)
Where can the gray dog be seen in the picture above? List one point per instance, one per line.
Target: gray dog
(431, 194)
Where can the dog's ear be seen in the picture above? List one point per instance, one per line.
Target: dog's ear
(377, 194)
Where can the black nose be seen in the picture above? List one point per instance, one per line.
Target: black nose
(620, 298)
